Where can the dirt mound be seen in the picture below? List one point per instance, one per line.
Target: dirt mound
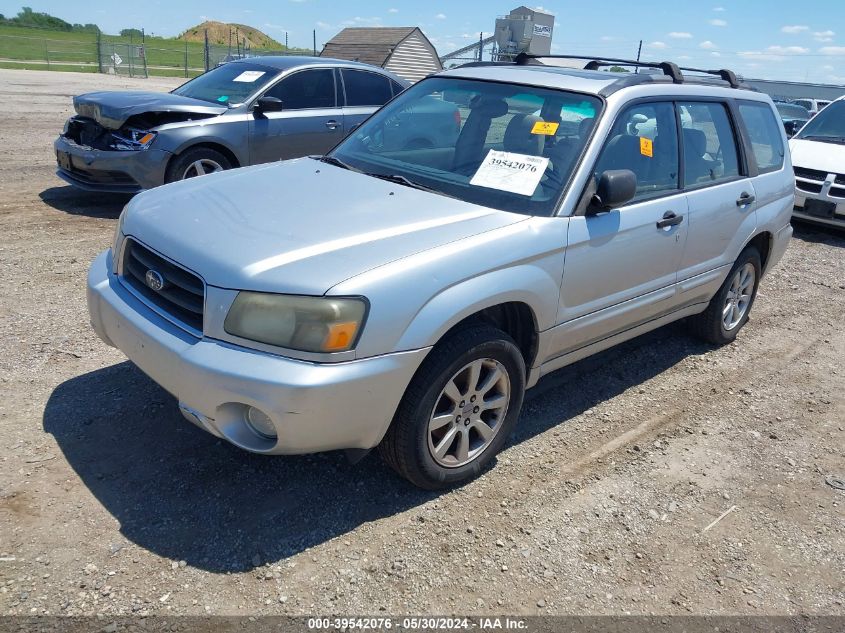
(222, 34)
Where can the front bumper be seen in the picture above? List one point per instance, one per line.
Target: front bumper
(109, 171)
(314, 406)
(826, 195)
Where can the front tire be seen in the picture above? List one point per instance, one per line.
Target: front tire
(459, 409)
(728, 310)
(194, 162)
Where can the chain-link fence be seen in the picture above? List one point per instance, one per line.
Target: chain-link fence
(119, 56)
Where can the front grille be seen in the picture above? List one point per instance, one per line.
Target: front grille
(840, 179)
(810, 174)
(181, 298)
(809, 187)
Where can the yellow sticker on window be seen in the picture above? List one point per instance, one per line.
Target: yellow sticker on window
(547, 128)
(646, 147)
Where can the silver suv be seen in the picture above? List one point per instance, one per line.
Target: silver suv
(405, 298)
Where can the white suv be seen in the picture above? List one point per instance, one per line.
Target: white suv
(405, 297)
(818, 155)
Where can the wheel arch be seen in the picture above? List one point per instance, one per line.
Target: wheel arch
(521, 301)
(763, 242)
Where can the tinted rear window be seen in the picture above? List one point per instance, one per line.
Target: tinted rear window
(365, 88)
(766, 135)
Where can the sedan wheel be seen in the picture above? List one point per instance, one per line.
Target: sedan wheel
(469, 413)
(201, 168)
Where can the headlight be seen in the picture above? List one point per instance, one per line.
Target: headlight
(132, 139)
(307, 324)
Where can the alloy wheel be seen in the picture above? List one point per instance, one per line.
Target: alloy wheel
(469, 412)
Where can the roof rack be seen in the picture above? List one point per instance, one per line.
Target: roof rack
(669, 69)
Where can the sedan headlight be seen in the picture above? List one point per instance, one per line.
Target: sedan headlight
(132, 139)
(307, 324)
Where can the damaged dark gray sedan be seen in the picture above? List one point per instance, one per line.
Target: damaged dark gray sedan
(244, 112)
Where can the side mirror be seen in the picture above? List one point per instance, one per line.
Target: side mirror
(269, 104)
(615, 188)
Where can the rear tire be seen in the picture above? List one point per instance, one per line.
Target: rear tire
(459, 409)
(189, 163)
(729, 308)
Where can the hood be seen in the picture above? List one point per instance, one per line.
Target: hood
(826, 157)
(112, 109)
(297, 227)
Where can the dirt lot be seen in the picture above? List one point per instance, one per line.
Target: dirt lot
(111, 503)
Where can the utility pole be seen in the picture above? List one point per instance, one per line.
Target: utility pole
(314, 33)
(480, 45)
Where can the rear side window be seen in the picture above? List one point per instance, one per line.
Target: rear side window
(644, 139)
(366, 89)
(710, 153)
(765, 133)
(306, 89)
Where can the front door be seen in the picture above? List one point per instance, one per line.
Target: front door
(621, 266)
(310, 122)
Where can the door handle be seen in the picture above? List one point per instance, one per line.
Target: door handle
(670, 218)
(745, 198)
(332, 124)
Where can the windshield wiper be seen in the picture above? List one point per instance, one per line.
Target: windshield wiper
(401, 180)
(331, 160)
(829, 139)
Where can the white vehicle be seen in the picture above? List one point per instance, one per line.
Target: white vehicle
(814, 106)
(818, 157)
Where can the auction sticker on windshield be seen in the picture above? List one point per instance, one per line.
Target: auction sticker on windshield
(506, 171)
(248, 76)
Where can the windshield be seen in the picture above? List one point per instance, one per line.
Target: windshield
(499, 145)
(229, 84)
(792, 111)
(827, 125)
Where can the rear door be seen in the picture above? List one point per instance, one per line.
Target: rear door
(621, 266)
(311, 121)
(365, 92)
(720, 194)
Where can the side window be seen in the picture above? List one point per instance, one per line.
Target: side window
(644, 139)
(306, 89)
(710, 153)
(766, 135)
(366, 89)
(397, 87)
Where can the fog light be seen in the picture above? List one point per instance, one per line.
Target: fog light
(260, 423)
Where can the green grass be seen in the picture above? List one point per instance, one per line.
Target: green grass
(165, 56)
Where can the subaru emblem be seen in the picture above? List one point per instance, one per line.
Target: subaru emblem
(154, 280)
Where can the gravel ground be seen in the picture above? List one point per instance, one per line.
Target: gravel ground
(111, 503)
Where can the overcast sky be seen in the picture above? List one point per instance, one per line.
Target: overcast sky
(771, 39)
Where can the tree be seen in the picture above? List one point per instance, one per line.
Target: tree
(131, 33)
(618, 69)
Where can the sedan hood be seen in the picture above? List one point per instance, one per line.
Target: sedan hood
(826, 157)
(112, 109)
(297, 227)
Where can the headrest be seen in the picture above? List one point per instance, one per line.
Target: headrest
(695, 141)
(487, 107)
(518, 136)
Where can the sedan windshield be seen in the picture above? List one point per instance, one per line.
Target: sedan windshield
(792, 111)
(229, 84)
(827, 125)
(504, 146)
